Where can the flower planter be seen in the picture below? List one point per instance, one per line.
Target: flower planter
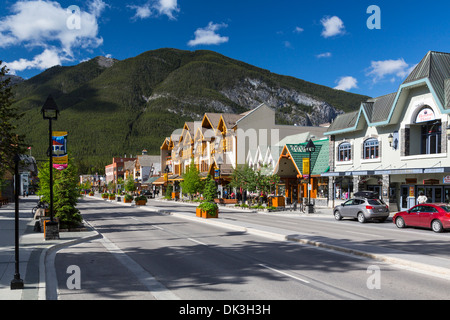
(127, 201)
(104, 197)
(175, 195)
(198, 212)
(141, 203)
(206, 215)
(112, 197)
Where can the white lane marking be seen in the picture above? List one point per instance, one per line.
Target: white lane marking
(158, 290)
(284, 273)
(196, 241)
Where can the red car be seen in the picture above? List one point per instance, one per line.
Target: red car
(431, 215)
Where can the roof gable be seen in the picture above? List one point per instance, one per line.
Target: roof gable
(433, 71)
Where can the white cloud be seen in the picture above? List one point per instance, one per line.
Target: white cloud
(156, 8)
(142, 12)
(378, 70)
(45, 60)
(47, 25)
(208, 35)
(298, 30)
(167, 7)
(324, 55)
(332, 26)
(346, 83)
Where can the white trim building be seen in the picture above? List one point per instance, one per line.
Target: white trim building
(397, 144)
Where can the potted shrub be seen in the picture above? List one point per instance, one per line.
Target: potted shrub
(112, 196)
(140, 200)
(128, 198)
(105, 196)
(209, 210)
(91, 194)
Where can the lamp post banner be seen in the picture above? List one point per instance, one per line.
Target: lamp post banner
(59, 152)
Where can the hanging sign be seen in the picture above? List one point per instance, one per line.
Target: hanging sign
(306, 166)
(425, 115)
(59, 152)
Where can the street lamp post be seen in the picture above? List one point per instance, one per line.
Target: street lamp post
(310, 147)
(17, 282)
(50, 112)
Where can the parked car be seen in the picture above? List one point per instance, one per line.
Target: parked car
(362, 209)
(435, 216)
(367, 194)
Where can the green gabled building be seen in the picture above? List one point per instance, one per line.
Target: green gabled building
(294, 176)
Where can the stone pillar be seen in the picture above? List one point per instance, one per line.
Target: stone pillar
(385, 188)
(355, 184)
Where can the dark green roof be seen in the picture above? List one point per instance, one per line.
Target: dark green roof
(319, 158)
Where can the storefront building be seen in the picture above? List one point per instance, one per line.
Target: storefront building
(397, 144)
(292, 168)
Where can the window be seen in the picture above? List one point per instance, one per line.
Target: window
(345, 152)
(371, 149)
(431, 138)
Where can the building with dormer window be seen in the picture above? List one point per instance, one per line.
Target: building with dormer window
(397, 144)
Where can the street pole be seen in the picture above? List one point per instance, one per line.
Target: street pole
(50, 155)
(309, 184)
(50, 112)
(17, 282)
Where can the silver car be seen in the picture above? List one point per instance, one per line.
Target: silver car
(362, 209)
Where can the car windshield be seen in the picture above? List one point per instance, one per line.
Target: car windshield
(375, 202)
(446, 208)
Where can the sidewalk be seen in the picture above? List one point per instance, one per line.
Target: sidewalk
(33, 250)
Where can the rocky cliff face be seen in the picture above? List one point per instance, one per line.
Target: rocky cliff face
(293, 107)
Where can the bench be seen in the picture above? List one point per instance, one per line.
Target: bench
(3, 201)
(226, 201)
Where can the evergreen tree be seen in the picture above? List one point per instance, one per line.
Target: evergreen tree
(10, 142)
(192, 182)
(65, 193)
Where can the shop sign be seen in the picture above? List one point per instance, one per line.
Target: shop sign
(425, 115)
(306, 166)
(446, 180)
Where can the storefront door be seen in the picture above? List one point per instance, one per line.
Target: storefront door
(434, 194)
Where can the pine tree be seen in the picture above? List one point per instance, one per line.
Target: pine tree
(65, 192)
(192, 182)
(10, 142)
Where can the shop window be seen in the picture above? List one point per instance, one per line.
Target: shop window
(431, 138)
(345, 152)
(371, 149)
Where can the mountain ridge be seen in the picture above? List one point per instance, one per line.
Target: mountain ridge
(113, 107)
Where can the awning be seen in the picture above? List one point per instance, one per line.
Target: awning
(159, 181)
(150, 181)
(176, 177)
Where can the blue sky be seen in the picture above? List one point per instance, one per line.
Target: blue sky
(325, 42)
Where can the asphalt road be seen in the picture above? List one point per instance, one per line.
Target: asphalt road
(145, 255)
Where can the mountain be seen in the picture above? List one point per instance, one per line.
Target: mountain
(14, 79)
(112, 108)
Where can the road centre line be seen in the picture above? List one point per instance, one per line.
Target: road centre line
(284, 273)
(196, 241)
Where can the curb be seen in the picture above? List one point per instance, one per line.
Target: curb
(443, 272)
(48, 286)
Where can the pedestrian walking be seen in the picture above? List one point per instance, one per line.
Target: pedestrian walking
(422, 198)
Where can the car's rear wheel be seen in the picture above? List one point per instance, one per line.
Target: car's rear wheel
(400, 223)
(437, 227)
(337, 215)
(361, 218)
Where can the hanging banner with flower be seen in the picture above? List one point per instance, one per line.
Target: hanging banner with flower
(59, 152)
